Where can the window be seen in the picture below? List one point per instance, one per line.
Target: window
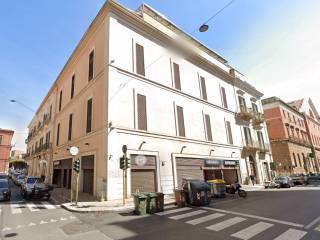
(60, 100)
(91, 63)
(208, 127)
(140, 68)
(1, 139)
(254, 107)
(89, 116)
(260, 139)
(203, 88)
(288, 131)
(48, 137)
(72, 85)
(70, 127)
(224, 98)
(180, 118)
(284, 113)
(299, 160)
(247, 135)
(58, 134)
(142, 112)
(176, 76)
(50, 111)
(229, 132)
(41, 142)
(242, 103)
(295, 160)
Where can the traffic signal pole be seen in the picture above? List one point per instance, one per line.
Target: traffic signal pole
(71, 195)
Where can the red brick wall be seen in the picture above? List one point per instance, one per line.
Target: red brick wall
(5, 147)
(276, 129)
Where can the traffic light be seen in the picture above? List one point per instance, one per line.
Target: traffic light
(122, 163)
(76, 165)
(127, 163)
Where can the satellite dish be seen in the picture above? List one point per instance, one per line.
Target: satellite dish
(74, 151)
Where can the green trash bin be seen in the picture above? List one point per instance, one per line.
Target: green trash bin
(159, 202)
(151, 202)
(140, 203)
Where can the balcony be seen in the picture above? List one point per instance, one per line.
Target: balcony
(245, 114)
(265, 147)
(251, 146)
(258, 119)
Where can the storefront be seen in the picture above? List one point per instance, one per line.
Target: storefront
(62, 171)
(143, 173)
(207, 169)
(87, 167)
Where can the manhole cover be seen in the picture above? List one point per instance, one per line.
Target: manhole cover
(77, 227)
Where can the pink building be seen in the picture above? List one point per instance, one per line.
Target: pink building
(5, 148)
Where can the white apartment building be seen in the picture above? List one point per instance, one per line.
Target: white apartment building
(180, 108)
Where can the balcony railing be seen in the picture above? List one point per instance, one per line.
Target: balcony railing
(245, 114)
(43, 147)
(264, 147)
(258, 118)
(253, 145)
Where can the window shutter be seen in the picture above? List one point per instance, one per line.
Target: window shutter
(58, 134)
(72, 86)
(176, 74)
(140, 68)
(229, 132)
(89, 116)
(60, 100)
(142, 112)
(91, 63)
(203, 88)
(181, 130)
(224, 97)
(208, 127)
(70, 127)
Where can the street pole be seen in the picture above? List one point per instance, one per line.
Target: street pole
(124, 185)
(77, 190)
(71, 194)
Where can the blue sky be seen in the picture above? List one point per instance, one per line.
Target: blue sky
(275, 43)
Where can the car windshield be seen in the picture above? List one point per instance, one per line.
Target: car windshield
(3, 184)
(21, 177)
(33, 180)
(2, 176)
(281, 178)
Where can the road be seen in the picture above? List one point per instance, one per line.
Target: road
(280, 215)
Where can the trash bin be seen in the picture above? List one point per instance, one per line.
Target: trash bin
(159, 202)
(180, 197)
(218, 187)
(140, 203)
(151, 204)
(198, 192)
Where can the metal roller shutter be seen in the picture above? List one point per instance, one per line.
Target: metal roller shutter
(143, 180)
(189, 168)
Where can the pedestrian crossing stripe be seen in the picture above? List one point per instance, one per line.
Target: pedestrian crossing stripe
(205, 218)
(225, 224)
(252, 231)
(16, 208)
(291, 234)
(189, 214)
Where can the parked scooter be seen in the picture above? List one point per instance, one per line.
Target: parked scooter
(236, 188)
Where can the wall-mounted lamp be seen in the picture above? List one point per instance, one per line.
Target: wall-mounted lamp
(110, 156)
(112, 61)
(212, 150)
(232, 153)
(183, 147)
(141, 145)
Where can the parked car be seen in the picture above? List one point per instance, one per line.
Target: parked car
(284, 181)
(5, 192)
(34, 187)
(312, 179)
(298, 179)
(271, 184)
(4, 176)
(20, 180)
(14, 176)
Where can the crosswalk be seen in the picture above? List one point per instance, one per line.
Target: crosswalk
(19, 207)
(221, 221)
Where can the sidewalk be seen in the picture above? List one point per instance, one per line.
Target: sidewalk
(250, 188)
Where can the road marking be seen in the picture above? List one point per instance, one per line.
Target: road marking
(63, 219)
(205, 218)
(32, 224)
(72, 217)
(173, 211)
(43, 222)
(32, 207)
(252, 231)
(6, 229)
(15, 208)
(53, 220)
(19, 226)
(185, 215)
(47, 205)
(291, 234)
(169, 206)
(256, 217)
(225, 224)
(312, 223)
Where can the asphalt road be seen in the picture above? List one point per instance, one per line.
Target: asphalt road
(263, 215)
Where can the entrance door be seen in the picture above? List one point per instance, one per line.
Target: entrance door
(65, 178)
(56, 177)
(266, 171)
(252, 166)
(88, 181)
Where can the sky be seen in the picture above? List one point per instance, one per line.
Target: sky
(274, 43)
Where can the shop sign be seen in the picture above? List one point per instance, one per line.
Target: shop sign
(212, 162)
(56, 163)
(229, 163)
(140, 160)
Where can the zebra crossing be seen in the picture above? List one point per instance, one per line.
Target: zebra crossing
(220, 221)
(19, 207)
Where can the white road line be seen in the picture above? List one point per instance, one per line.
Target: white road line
(32, 207)
(205, 218)
(185, 215)
(256, 217)
(173, 211)
(225, 224)
(291, 234)
(312, 223)
(47, 205)
(15, 208)
(252, 231)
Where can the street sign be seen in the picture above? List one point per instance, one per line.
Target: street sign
(124, 148)
(74, 151)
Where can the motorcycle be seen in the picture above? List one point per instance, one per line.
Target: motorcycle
(236, 188)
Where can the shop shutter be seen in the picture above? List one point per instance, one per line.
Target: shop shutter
(203, 88)
(190, 168)
(176, 73)
(143, 180)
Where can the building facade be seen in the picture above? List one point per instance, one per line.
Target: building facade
(289, 138)
(5, 148)
(136, 79)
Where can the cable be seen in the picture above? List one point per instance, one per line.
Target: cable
(217, 13)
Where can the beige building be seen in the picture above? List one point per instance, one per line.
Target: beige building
(175, 106)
